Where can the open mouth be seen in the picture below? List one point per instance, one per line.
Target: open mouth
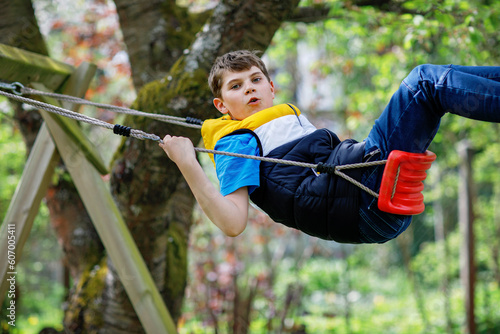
(253, 100)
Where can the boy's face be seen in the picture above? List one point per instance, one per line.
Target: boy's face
(245, 93)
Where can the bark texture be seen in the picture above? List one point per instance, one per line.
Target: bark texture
(171, 56)
(148, 188)
(156, 34)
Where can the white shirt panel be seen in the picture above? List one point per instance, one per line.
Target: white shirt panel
(283, 130)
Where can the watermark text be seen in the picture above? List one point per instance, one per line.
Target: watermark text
(11, 273)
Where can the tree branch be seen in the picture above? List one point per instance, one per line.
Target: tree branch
(321, 12)
(310, 14)
(393, 6)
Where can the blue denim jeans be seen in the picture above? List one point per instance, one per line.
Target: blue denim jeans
(410, 122)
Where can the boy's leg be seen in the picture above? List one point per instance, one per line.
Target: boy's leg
(411, 119)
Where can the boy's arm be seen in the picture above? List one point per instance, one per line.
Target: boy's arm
(228, 212)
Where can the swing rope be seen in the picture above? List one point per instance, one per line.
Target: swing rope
(82, 118)
(18, 89)
(190, 122)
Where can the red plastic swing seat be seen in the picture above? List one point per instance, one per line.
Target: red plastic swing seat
(402, 182)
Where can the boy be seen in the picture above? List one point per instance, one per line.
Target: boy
(321, 205)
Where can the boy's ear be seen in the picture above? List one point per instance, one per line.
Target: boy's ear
(219, 104)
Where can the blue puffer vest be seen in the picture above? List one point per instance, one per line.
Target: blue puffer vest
(325, 206)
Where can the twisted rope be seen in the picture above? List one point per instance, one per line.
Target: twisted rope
(119, 129)
(184, 121)
(77, 116)
(396, 179)
(19, 89)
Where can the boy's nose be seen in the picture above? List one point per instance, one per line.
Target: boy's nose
(249, 90)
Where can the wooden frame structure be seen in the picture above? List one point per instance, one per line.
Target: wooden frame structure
(62, 137)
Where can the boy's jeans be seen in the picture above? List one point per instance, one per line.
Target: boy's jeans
(410, 122)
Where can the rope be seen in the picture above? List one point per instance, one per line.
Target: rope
(255, 157)
(395, 182)
(356, 182)
(77, 116)
(19, 89)
(190, 122)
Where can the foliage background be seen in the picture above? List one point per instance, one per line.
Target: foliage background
(274, 279)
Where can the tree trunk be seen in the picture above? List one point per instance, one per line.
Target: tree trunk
(156, 34)
(151, 193)
(148, 188)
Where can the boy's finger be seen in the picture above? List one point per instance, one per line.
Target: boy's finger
(167, 137)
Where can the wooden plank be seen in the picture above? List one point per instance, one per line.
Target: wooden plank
(114, 234)
(113, 231)
(30, 68)
(24, 205)
(23, 66)
(84, 73)
(26, 67)
(79, 158)
(35, 180)
(76, 134)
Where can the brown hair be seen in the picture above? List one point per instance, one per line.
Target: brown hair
(235, 61)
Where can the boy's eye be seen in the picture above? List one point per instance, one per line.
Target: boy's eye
(256, 79)
(236, 86)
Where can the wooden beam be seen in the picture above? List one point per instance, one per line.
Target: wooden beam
(114, 234)
(25, 203)
(79, 159)
(18, 65)
(85, 73)
(26, 67)
(35, 180)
